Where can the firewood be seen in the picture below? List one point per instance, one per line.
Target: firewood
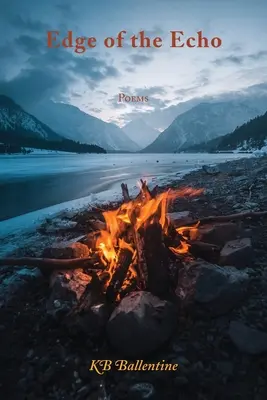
(124, 261)
(231, 217)
(145, 192)
(125, 192)
(52, 264)
(141, 264)
(158, 281)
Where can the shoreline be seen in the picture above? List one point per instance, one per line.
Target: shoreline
(24, 227)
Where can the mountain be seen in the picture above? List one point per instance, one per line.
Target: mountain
(202, 123)
(160, 119)
(249, 137)
(255, 96)
(70, 122)
(15, 121)
(19, 128)
(139, 131)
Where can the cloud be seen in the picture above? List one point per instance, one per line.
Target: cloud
(28, 24)
(152, 104)
(240, 59)
(114, 102)
(130, 69)
(51, 72)
(143, 91)
(202, 80)
(29, 44)
(139, 59)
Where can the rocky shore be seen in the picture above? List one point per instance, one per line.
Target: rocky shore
(221, 354)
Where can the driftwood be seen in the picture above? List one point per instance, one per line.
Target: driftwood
(227, 218)
(51, 264)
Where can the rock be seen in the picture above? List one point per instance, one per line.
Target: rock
(98, 225)
(66, 289)
(66, 250)
(89, 240)
(247, 340)
(18, 283)
(180, 218)
(210, 288)
(57, 224)
(241, 179)
(249, 205)
(236, 172)
(141, 391)
(237, 252)
(216, 234)
(140, 324)
(211, 169)
(92, 322)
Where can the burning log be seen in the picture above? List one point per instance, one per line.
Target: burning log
(124, 262)
(141, 264)
(158, 280)
(50, 264)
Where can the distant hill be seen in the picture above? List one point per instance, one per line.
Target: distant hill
(249, 137)
(19, 128)
(202, 123)
(70, 122)
(139, 131)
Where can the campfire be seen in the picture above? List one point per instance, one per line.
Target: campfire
(139, 241)
(137, 262)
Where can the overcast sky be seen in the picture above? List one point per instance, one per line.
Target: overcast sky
(30, 72)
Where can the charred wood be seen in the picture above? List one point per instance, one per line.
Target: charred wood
(124, 261)
(157, 260)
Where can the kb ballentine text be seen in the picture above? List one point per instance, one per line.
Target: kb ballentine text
(177, 39)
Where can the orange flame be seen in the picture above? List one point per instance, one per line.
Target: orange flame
(182, 249)
(143, 210)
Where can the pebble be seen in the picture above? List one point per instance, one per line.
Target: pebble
(141, 391)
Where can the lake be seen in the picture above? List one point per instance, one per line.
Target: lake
(33, 182)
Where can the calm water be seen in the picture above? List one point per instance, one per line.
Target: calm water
(33, 182)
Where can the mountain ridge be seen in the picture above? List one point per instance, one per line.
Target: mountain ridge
(20, 128)
(250, 136)
(202, 123)
(70, 122)
(139, 131)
